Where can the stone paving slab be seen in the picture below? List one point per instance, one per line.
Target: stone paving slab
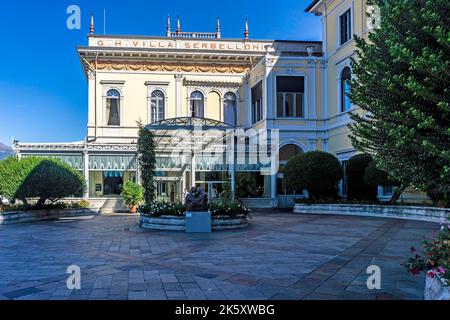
(279, 256)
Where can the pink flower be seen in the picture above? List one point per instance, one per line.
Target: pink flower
(441, 270)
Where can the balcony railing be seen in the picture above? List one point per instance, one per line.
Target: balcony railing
(195, 35)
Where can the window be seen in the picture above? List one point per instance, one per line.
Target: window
(113, 108)
(345, 27)
(197, 105)
(257, 103)
(290, 92)
(157, 103)
(388, 191)
(346, 77)
(229, 108)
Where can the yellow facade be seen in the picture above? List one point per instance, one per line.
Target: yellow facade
(149, 79)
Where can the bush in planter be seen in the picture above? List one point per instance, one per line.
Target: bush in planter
(160, 208)
(228, 208)
(42, 178)
(132, 193)
(437, 260)
(316, 171)
(82, 204)
(358, 189)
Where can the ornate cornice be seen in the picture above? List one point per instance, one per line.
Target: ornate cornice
(171, 67)
(74, 147)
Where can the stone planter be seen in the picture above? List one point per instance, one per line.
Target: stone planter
(435, 289)
(174, 223)
(383, 211)
(42, 215)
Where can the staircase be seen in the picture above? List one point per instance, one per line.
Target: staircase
(114, 205)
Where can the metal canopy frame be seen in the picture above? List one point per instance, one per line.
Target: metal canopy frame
(189, 133)
(194, 135)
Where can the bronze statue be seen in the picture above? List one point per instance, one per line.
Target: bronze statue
(196, 200)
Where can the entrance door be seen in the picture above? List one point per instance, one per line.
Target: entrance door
(168, 190)
(112, 184)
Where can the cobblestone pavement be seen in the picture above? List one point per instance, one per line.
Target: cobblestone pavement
(279, 256)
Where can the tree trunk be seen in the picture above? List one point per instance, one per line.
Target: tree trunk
(398, 192)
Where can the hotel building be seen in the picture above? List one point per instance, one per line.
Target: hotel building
(198, 79)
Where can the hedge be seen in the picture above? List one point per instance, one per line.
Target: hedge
(37, 177)
(316, 171)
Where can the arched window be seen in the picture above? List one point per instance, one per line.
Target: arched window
(197, 105)
(157, 105)
(346, 77)
(229, 108)
(113, 108)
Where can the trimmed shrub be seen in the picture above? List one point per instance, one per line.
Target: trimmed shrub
(132, 193)
(316, 171)
(42, 178)
(377, 177)
(358, 189)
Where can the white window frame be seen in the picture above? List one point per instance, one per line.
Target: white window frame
(352, 20)
(118, 86)
(156, 86)
(339, 68)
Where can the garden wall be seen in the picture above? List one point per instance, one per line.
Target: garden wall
(42, 215)
(385, 211)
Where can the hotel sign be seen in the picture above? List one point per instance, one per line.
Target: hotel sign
(179, 44)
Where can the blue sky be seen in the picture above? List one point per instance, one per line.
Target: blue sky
(43, 90)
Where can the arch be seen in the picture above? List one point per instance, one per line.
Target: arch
(344, 84)
(229, 108)
(197, 104)
(113, 99)
(157, 105)
(289, 150)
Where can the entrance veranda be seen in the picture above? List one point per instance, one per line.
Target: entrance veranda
(206, 153)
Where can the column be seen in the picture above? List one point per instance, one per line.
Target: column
(178, 98)
(248, 102)
(312, 90)
(269, 88)
(193, 182)
(92, 110)
(138, 173)
(86, 173)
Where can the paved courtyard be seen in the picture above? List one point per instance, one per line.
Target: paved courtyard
(279, 256)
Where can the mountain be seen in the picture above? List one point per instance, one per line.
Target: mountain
(5, 151)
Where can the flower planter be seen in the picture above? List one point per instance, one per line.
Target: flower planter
(435, 289)
(177, 223)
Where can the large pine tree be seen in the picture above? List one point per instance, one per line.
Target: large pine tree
(402, 83)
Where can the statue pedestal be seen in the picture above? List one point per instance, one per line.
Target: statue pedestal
(199, 222)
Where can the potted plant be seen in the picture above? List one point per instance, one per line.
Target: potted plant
(133, 194)
(436, 264)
